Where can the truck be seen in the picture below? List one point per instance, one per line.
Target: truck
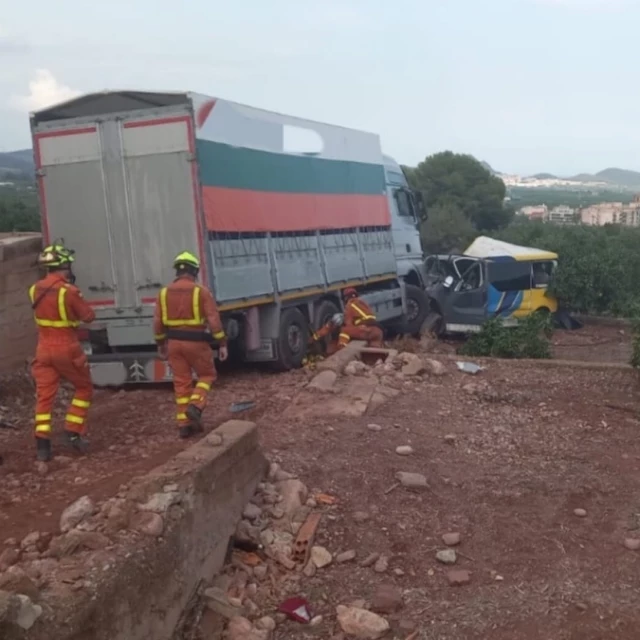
(283, 212)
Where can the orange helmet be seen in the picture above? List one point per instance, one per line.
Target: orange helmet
(349, 292)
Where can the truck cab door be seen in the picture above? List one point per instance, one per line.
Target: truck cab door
(465, 304)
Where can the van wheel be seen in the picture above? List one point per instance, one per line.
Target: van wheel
(292, 340)
(417, 309)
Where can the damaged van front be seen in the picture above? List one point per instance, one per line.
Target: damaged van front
(491, 278)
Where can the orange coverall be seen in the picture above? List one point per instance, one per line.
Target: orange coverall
(327, 329)
(59, 309)
(359, 324)
(186, 306)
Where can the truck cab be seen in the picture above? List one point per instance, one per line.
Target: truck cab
(407, 210)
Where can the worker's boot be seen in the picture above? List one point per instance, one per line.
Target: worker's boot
(189, 430)
(76, 442)
(195, 415)
(43, 449)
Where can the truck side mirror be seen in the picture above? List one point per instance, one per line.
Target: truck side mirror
(421, 208)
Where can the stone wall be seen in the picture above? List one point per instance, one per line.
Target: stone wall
(17, 273)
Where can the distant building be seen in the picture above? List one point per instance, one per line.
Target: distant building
(598, 215)
(562, 215)
(537, 212)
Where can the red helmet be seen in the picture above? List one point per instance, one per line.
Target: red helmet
(349, 292)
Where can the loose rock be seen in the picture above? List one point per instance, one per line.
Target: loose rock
(451, 539)
(458, 577)
(361, 623)
(17, 581)
(414, 368)
(633, 544)
(346, 556)
(436, 368)
(404, 450)
(411, 480)
(374, 427)
(321, 557)
(381, 565)
(361, 516)
(8, 558)
(27, 613)
(267, 622)
(149, 523)
(450, 438)
(370, 560)
(446, 556)
(252, 512)
(241, 629)
(324, 381)
(310, 569)
(316, 621)
(160, 502)
(294, 495)
(387, 599)
(73, 541)
(581, 513)
(76, 512)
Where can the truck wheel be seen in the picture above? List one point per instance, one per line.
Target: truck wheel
(292, 340)
(325, 311)
(417, 309)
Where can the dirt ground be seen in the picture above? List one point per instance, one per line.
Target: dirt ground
(594, 343)
(525, 446)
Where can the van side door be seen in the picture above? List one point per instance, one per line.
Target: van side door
(509, 288)
(464, 306)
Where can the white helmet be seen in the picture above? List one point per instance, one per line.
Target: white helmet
(337, 319)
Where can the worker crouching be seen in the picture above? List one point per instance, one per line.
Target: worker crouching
(183, 311)
(59, 308)
(359, 321)
(329, 333)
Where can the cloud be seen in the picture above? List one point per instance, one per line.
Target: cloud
(44, 91)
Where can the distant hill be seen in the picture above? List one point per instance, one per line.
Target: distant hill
(544, 176)
(612, 176)
(17, 164)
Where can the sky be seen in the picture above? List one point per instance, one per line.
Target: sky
(527, 85)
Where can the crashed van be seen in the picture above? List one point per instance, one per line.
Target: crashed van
(491, 278)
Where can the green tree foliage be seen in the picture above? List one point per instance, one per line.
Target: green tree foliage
(529, 339)
(599, 267)
(446, 228)
(459, 182)
(18, 210)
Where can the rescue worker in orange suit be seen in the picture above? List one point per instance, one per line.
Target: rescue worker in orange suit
(183, 311)
(331, 330)
(359, 321)
(59, 308)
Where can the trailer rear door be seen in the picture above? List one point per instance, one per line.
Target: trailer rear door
(122, 191)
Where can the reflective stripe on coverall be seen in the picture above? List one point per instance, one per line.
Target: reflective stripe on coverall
(185, 305)
(60, 309)
(359, 324)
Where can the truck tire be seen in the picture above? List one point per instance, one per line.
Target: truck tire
(417, 309)
(325, 311)
(292, 340)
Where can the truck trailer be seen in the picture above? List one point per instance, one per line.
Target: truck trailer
(284, 213)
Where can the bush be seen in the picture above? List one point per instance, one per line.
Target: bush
(529, 339)
(598, 268)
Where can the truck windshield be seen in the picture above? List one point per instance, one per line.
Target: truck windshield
(405, 206)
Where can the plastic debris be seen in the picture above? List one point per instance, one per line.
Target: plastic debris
(245, 405)
(297, 609)
(469, 367)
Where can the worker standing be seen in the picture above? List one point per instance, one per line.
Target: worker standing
(59, 308)
(359, 321)
(183, 311)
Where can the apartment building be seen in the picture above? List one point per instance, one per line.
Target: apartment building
(537, 212)
(562, 214)
(612, 213)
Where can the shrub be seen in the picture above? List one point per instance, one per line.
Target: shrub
(529, 339)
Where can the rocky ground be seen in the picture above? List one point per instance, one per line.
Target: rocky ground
(503, 504)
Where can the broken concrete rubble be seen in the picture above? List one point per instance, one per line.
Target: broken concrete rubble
(361, 623)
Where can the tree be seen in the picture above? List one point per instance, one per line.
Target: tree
(446, 229)
(459, 181)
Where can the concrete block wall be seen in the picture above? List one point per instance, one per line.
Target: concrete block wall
(18, 253)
